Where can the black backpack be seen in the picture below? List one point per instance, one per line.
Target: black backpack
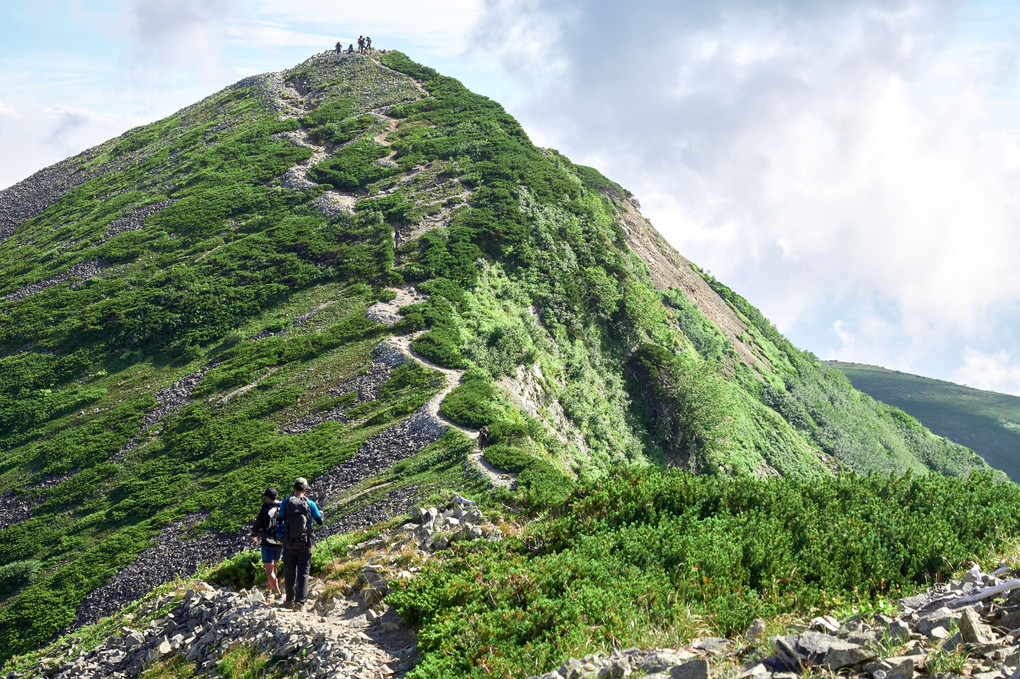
(297, 516)
(270, 533)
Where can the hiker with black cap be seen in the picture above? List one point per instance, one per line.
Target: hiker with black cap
(265, 528)
(298, 512)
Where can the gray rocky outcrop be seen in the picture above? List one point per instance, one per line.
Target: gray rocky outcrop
(77, 273)
(168, 401)
(16, 507)
(30, 197)
(434, 529)
(335, 639)
(134, 220)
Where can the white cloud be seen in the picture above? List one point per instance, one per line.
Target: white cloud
(434, 26)
(33, 139)
(171, 35)
(819, 157)
(991, 371)
(265, 34)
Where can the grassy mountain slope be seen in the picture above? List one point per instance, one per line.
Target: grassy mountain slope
(984, 421)
(183, 322)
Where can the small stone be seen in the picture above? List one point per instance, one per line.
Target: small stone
(713, 645)
(758, 671)
(824, 623)
(754, 630)
(903, 667)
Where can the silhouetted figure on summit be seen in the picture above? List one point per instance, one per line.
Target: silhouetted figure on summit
(368, 44)
(339, 48)
(361, 44)
(350, 48)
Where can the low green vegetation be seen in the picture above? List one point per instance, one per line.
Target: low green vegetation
(253, 296)
(652, 557)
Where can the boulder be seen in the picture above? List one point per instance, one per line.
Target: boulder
(713, 645)
(694, 669)
(973, 630)
(660, 661)
(808, 649)
(940, 617)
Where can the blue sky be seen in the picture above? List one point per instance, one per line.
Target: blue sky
(850, 168)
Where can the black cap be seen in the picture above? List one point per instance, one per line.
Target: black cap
(270, 493)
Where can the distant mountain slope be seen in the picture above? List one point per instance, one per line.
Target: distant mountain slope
(986, 422)
(341, 271)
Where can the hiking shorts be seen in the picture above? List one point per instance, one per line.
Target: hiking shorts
(271, 553)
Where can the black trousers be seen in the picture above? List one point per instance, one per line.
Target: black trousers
(297, 564)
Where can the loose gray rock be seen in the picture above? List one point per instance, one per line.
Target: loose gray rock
(695, 669)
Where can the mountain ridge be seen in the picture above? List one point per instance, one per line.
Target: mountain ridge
(988, 422)
(228, 333)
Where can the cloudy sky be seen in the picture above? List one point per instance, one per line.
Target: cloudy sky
(852, 168)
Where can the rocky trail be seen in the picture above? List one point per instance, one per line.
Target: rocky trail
(343, 631)
(388, 313)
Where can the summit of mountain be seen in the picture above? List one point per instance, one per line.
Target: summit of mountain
(342, 271)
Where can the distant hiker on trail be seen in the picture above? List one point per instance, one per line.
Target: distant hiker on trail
(368, 44)
(350, 48)
(483, 436)
(265, 528)
(339, 48)
(361, 45)
(298, 513)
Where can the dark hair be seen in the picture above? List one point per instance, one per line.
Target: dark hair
(271, 493)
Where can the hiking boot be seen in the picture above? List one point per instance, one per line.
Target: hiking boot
(299, 606)
(289, 604)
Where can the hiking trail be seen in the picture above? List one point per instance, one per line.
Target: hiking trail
(291, 104)
(388, 313)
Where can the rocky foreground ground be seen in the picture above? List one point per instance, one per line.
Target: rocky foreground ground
(966, 628)
(344, 632)
(970, 627)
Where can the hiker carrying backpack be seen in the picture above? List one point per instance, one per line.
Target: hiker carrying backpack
(265, 528)
(297, 512)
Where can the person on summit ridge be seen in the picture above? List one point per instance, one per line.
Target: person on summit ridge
(265, 528)
(339, 47)
(361, 44)
(298, 512)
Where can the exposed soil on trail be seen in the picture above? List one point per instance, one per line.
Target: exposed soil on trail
(451, 376)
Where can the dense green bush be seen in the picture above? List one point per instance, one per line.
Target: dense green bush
(473, 403)
(17, 574)
(686, 403)
(352, 169)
